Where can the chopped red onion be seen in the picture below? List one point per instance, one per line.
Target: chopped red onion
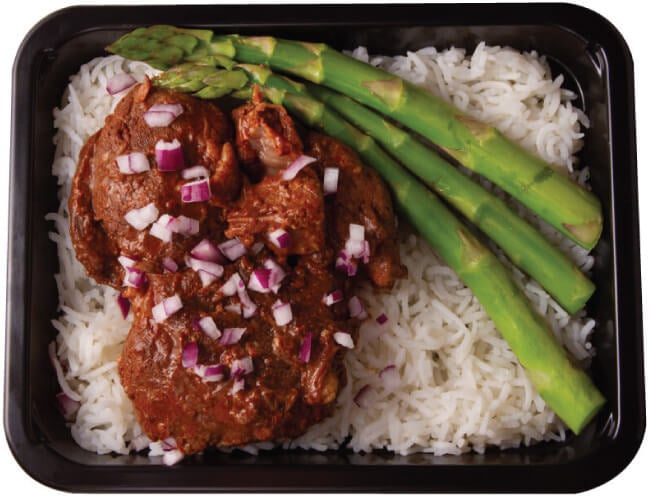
(242, 367)
(140, 218)
(276, 276)
(185, 225)
(169, 155)
(231, 286)
(208, 271)
(305, 349)
(209, 327)
(357, 310)
(357, 232)
(231, 335)
(211, 373)
(160, 231)
(194, 172)
(355, 247)
(238, 385)
(169, 444)
(259, 281)
(166, 308)
(334, 297)
(162, 114)
(67, 406)
(196, 191)
(330, 180)
(296, 166)
(280, 238)
(363, 397)
(206, 251)
(119, 82)
(282, 313)
(126, 261)
(344, 263)
(232, 249)
(169, 265)
(344, 339)
(390, 377)
(250, 308)
(382, 319)
(124, 304)
(172, 457)
(133, 163)
(134, 278)
(190, 355)
(233, 308)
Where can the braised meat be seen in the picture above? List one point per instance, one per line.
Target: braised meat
(241, 339)
(102, 195)
(361, 198)
(271, 384)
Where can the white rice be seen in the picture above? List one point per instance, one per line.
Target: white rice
(461, 388)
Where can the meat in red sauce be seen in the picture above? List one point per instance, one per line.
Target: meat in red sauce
(295, 367)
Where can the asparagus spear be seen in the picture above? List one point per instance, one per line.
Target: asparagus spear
(569, 208)
(565, 388)
(522, 243)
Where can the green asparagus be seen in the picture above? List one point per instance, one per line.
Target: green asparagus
(565, 388)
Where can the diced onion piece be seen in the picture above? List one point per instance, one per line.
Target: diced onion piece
(231, 286)
(162, 114)
(209, 327)
(344, 339)
(162, 232)
(330, 180)
(282, 313)
(211, 373)
(232, 249)
(280, 238)
(126, 261)
(363, 398)
(277, 274)
(67, 406)
(208, 271)
(133, 163)
(356, 308)
(390, 377)
(134, 278)
(119, 82)
(194, 172)
(196, 191)
(185, 226)
(259, 281)
(231, 335)
(305, 349)
(169, 264)
(334, 297)
(242, 367)
(249, 307)
(205, 250)
(169, 155)
(140, 218)
(190, 355)
(124, 304)
(357, 232)
(296, 166)
(169, 444)
(238, 384)
(172, 457)
(166, 308)
(382, 319)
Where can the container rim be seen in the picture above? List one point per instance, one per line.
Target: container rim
(43, 464)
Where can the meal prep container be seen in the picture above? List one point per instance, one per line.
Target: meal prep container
(598, 67)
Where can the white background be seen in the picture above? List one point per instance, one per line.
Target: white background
(626, 15)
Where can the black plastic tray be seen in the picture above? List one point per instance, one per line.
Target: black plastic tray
(578, 42)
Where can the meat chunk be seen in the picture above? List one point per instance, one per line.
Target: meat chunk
(102, 196)
(266, 136)
(278, 398)
(361, 198)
